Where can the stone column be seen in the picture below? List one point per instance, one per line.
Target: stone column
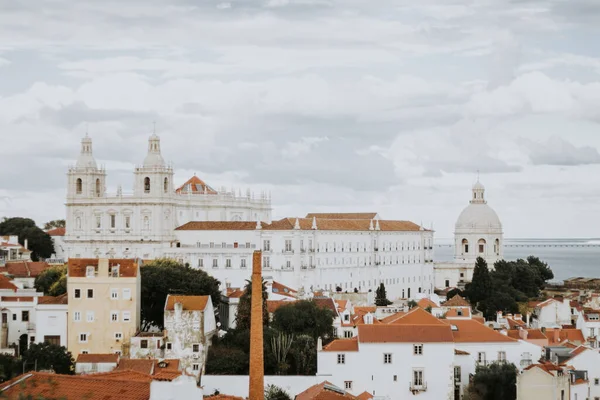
(257, 369)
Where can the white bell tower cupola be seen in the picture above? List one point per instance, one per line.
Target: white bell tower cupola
(154, 178)
(85, 178)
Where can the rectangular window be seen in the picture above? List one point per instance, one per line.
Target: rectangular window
(90, 272)
(83, 338)
(348, 385)
(288, 245)
(118, 336)
(98, 222)
(457, 374)
(25, 316)
(126, 316)
(195, 367)
(228, 263)
(200, 263)
(90, 293)
(481, 358)
(341, 359)
(169, 346)
(77, 293)
(126, 294)
(501, 356)
(266, 262)
(77, 316)
(243, 263)
(596, 381)
(215, 263)
(114, 294)
(196, 348)
(89, 316)
(127, 222)
(114, 316)
(417, 377)
(14, 317)
(288, 265)
(144, 344)
(418, 349)
(387, 358)
(113, 220)
(267, 245)
(395, 378)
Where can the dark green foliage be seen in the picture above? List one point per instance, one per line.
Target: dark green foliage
(223, 360)
(45, 356)
(40, 243)
(49, 281)
(57, 223)
(454, 292)
(273, 392)
(411, 304)
(381, 299)
(242, 319)
(9, 367)
(303, 355)
(304, 317)
(496, 381)
(162, 277)
(481, 284)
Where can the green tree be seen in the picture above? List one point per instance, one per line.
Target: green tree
(381, 299)
(56, 223)
(273, 392)
(9, 367)
(48, 282)
(453, 292)
(544, 272)
(411, 304)
(481, 284)
(162, 277)
(304, 317)
(280, 347)
(242, 319)
(303, 355)
(39, 242)
(49, 356)
(496, 381)
(224, 360)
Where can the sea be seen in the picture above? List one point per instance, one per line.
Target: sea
(567, 257)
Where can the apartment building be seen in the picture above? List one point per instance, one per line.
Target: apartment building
(104, 304)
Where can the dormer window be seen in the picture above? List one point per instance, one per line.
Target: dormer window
(114, 272)
(90, 271)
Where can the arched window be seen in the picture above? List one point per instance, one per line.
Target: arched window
(79, 186)
(497, 247)
(465, 246)
(146, 185)
(166, 185)
(481, 244)
(98, 187)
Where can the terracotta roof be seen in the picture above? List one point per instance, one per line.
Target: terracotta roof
(273, 305)
(16, 299)
(324, 391)
(57, 232)
(283, 290)
(547, 367)
(532, 334)
(461, 353)
(236, 293)
(453, 312)
(456, 301)
(128, 267)
(24, 269)
(145, 366)
(425, 302)
(326, 302)
(122, 375)
(393, 318)
(342, 304)
(514, 323)
(62, 299)
(193, 303)
(404, 333)
(222, 397)
(305, 224)
(5, 283)
(577, 351)
(359, 313)
(43, 385)
(364, 396)
(365, 215)
(470, 331)
(417, 316)
(98, 358)
(166, 375)
(342, 345)
(571, 335)
(195, 185)
(478, 318)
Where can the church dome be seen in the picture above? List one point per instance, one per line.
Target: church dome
(154, 158)
(478, 216)
(86, 158)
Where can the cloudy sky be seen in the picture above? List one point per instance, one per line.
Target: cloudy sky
(332, 105)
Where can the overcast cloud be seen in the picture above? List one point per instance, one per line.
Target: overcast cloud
(332, 105)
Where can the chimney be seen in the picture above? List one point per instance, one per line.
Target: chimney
(498, 316)
(257, 368)
(528, 316)
(26, 244)
(319, 344)
(523, 334)
(556, 335)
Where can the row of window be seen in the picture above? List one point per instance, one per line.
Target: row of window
(386, 246)
(114, 316)
(417, 381)
(418, 351)
(112, 222)
(481, 245)
(114, 294)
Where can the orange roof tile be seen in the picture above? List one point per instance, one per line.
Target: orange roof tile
(222, 397)
(323, 391)
(478, 318)
(283, 290)
(425, 302)
(5, 283)
(98, 358)
(453, 312)
(325, 302)
(16, 299)
(128, 267)
(62, 299)
(43, 385)
(364, 396)
(273, 305)
(469, 331)
(532, 334)
(193, 303)
(404, 333)
(461, 353)
(195, 185)
(342, 304)
(547, 367)
(577, 351)
(365, 215)
(57, 232)
(342, 345)
(571, 335)
(121, 375)
(24, 269)
(456, 301)
(417, 316)
(393, 318)
(145, 366)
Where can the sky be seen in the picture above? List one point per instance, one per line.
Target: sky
(331, 105)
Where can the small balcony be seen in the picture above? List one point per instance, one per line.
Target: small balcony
(416, 388)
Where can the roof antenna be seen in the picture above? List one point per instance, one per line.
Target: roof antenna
(478, 175)
(154, 127)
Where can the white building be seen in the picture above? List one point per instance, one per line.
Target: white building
(478, 233)
(589, 323)
(142, 223)
(11, 250)
(96, 363)
(552, 313)
(51, 320)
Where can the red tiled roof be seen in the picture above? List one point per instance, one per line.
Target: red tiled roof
(404, 333)
(469, 331)
(461, 353)
(342, 304)
(98, 358)
(195, 185)
(547, 367)
(572, 335)
(478, 318)
(323, 391)
(122, 375)
(417, 316)
(342, 345)
(235, 294)
(193, 303)
(326, 302)
(62, 299)
(128, 267)
(393, 318)
(532, 334)
(456, 301)
(425, 302)
(16, 299)
(364, 396)
(222, 397)
(42, 385)
(145, 366)
(365, 215)
(273, 305)
(281, 289)
(5, 283)
(57, 232)
(453, 312)
(577, 351)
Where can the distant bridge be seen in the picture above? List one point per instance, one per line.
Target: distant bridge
(536, 245)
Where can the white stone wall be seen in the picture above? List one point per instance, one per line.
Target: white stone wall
(237, 385)
(51, 320)
(94, 368)
(589, 361)
(554, 314)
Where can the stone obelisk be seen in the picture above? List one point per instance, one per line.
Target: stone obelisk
(257, 368)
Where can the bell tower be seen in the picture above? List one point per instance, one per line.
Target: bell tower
(154, 179)
(85, 179)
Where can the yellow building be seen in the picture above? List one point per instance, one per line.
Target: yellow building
(104, 304)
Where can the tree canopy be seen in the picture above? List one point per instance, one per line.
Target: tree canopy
(242, 319)
(52, 281)
(304, 317)
(381, 299)
(480, 285)
(496, 381)
(162, 277)
(273, 392)
(39, 242)
(56, 223)
(49, 356)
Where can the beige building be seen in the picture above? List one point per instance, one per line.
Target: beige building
(544, 382)
(104, 304)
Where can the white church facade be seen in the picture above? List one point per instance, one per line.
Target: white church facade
(477, 233)
(217, 230)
